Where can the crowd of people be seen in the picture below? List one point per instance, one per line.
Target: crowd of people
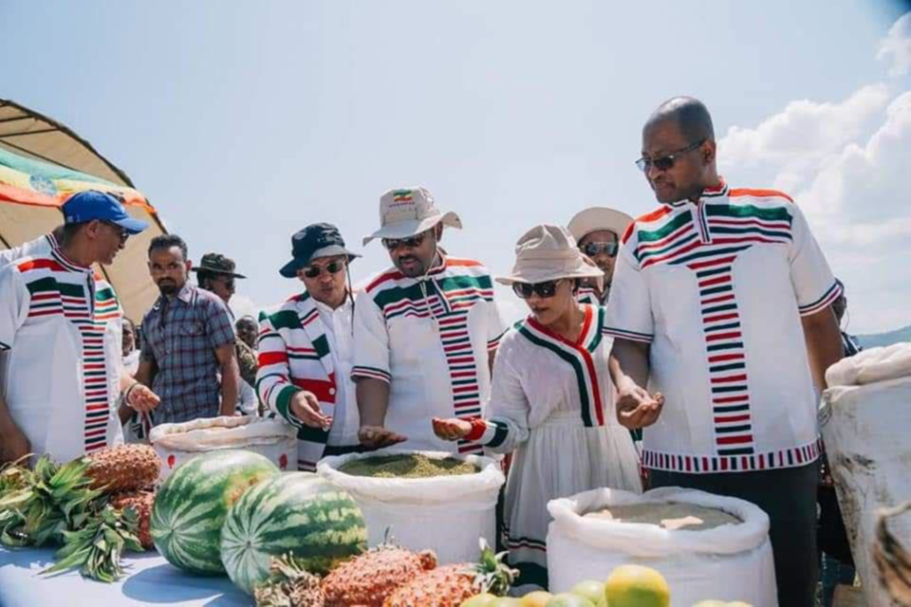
(687, 347)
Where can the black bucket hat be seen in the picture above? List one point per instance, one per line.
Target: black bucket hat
(314, 241)
(216, 263)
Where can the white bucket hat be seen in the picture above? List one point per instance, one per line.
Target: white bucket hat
(598, 218)
(409, 211)
(548, 252)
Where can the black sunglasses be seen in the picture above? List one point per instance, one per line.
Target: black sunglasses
(596, 248)
(121, 231)
(228, 282)
(415, 241)
(542, 289)
(333, 268)
(666, 163)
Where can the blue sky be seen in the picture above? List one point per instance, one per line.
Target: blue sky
(243, 122)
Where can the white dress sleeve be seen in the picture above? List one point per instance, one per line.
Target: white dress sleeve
(506, 419)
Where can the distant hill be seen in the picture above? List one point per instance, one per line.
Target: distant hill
(885, 339)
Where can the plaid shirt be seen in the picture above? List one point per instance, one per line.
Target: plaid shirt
(181, 337)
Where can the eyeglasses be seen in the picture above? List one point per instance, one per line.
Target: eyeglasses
(228, 282)
(332, 268)
(542, 289)
(415, 241)
(596, 248)
(121, 232)
(666, 163)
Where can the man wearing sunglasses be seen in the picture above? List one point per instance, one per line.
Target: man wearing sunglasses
(426, 331)
(217, 274)
(60, 329)
(597, 231)
(722, 302)
(306, 349)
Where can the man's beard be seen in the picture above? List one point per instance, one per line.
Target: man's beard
(416, 270)
(168, 287)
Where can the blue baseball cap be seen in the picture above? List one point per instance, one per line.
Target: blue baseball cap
(87, 206)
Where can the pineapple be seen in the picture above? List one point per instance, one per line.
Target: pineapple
(289, 585)
(124, 468)
(450, 585)
(142, 501)
(371, 577)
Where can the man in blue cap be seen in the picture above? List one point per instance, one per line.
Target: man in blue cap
(305, 348)
(60, 324)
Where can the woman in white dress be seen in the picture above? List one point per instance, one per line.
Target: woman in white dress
(552, 400)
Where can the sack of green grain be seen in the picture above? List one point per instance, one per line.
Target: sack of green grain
(429, 499)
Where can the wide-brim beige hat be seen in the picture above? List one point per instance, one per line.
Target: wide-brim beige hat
(548, 252)
(407, 212)
(598, 218)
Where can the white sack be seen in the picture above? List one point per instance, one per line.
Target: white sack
(447, 514)
(272, 438)
(865, 429)
(728, 563)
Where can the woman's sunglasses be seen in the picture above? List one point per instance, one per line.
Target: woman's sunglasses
(333, 268)
(541, 289)
(596, 248)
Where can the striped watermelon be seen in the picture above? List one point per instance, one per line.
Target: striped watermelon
(297, 512)
(191, 506)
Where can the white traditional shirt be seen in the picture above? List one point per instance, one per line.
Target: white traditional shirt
(41, 246)
(339, 327)
(430, 339)
(717, 288)
(61, 327)
(552, 406)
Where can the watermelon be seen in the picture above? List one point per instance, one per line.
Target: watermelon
(191, 506)
(298, 513)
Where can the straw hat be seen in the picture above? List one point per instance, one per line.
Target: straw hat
(548, 252)
(408, 212)
(598, 218)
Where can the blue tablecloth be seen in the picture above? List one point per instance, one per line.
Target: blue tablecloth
(149, 580)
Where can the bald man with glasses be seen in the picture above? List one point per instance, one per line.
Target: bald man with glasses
(721, 310)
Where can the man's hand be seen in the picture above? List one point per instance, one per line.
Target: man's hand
(451, 429)
(13, 445)
(636, 408)
(377, 437)
(142, 399)
(305, 407)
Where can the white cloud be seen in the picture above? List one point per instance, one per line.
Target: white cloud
(897, 46)
(847, 165)
(789, 146)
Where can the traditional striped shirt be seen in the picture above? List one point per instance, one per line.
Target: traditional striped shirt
(717, 288)
(61, 327)
(430, 339)
(306, 346)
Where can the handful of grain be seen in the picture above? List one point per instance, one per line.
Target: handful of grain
(411, 465)
(669, 515)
